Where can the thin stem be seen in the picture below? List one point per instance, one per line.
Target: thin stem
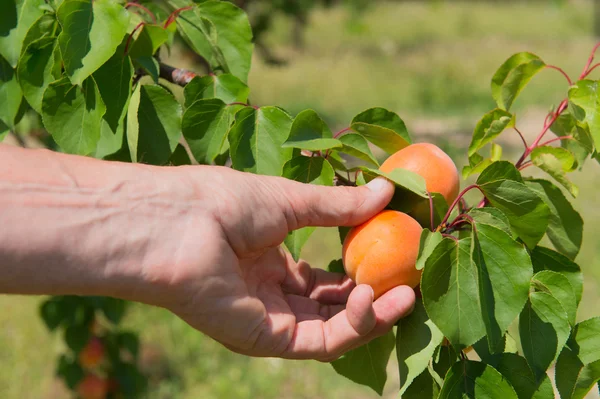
(344, 130)
(150, 13)
(340, 180)
(521, 135)
(556, 139)
(138, 26)
(430, 211)
(463, 192)
(449, 236)
(591, 69)
(561, 71)
(589, 62)
(175, 14)
(18, 138)
(526, 165)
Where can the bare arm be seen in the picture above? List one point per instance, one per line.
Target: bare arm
(201, 241)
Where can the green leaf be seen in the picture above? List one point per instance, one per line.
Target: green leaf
(336, 266)
(148, 42)
(443, 359)
(416, 340)
(11, 95)
(91, 32)
(225, 87)
(179, 157)
(478, 164)
(470, 379)
(16, 19)
(556, 161)
(450, 292)
(565, 225)
(491, 216)
(53, 313)
(205, 126)
(130, 342)
(584, 101)
(504, 273)
(422, 387)
(489, 127)
(527, 212)
(296, 239)
(149, 65)
(76, 337)
(512, 76)
(73, 115)
(404, 179)
(486, 355)
(70, 371)
(256, 138)
(114, 79)
(578, 366)
(366, 365)
(544, 329)
(383, 128)
(518, 373)
(219, 32)
(154, 125)
(35, 69)
(357, 146)
(581, 145)
(500, 170)
(429, 240)
(310, 132)
(560, 288)
(547, 259)
(113, 309)
(45, 26)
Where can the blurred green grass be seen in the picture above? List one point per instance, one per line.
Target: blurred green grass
(426, 62)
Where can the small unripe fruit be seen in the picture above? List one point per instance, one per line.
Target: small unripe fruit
(92, 387)
(433, 164)
(92, 354)
(382, 252)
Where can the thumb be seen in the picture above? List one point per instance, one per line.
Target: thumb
(313, 205)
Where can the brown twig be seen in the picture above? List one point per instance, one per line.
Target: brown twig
(178, 76)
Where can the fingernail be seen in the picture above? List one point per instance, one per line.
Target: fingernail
(378, 184)
(372, 293)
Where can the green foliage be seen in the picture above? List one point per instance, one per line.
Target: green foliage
(93, 71)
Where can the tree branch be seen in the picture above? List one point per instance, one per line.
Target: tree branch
(178, 76)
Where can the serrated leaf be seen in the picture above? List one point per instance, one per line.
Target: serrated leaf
(556, 161)
(565, 225)
(114, 80)
(310, 132)
(429, 240)
(11, 95)
(500, 170)
(255, 140)
(584, 101)
(470, 379)
(73, 115)
(422, 387)
(560, 288)
(581, 145)
(544, 329)
(383, 128)
(527, 212)
(227, 43)
(547, 259)
(225, 87)
(357, 146)
(403, 178)
(518, 373)
(153, 125)
(35, 69)
(416, 340)
(366, 365)
(578, 366)
(91, 32)
(443, 359)
(512, 76)
(16, 19)
(504, 273)
(450, 292)
(489, 127)
(205, 126)
(491, 216)
(149, 40)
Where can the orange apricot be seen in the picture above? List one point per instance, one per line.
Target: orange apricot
(92, 354)
(382, 252)
(92, 387)
(433, 164)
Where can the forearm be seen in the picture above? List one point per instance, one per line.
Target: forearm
(74, 225)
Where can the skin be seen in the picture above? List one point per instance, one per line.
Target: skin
(201, 241)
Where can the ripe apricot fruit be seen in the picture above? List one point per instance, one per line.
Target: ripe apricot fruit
(433, 164)
(382, 252)
(92, 387)
(92, 354)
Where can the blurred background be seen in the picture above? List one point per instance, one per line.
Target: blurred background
(429, 61)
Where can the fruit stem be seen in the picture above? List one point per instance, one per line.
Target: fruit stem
(463, 192)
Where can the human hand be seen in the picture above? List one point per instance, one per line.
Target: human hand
(235, 283)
